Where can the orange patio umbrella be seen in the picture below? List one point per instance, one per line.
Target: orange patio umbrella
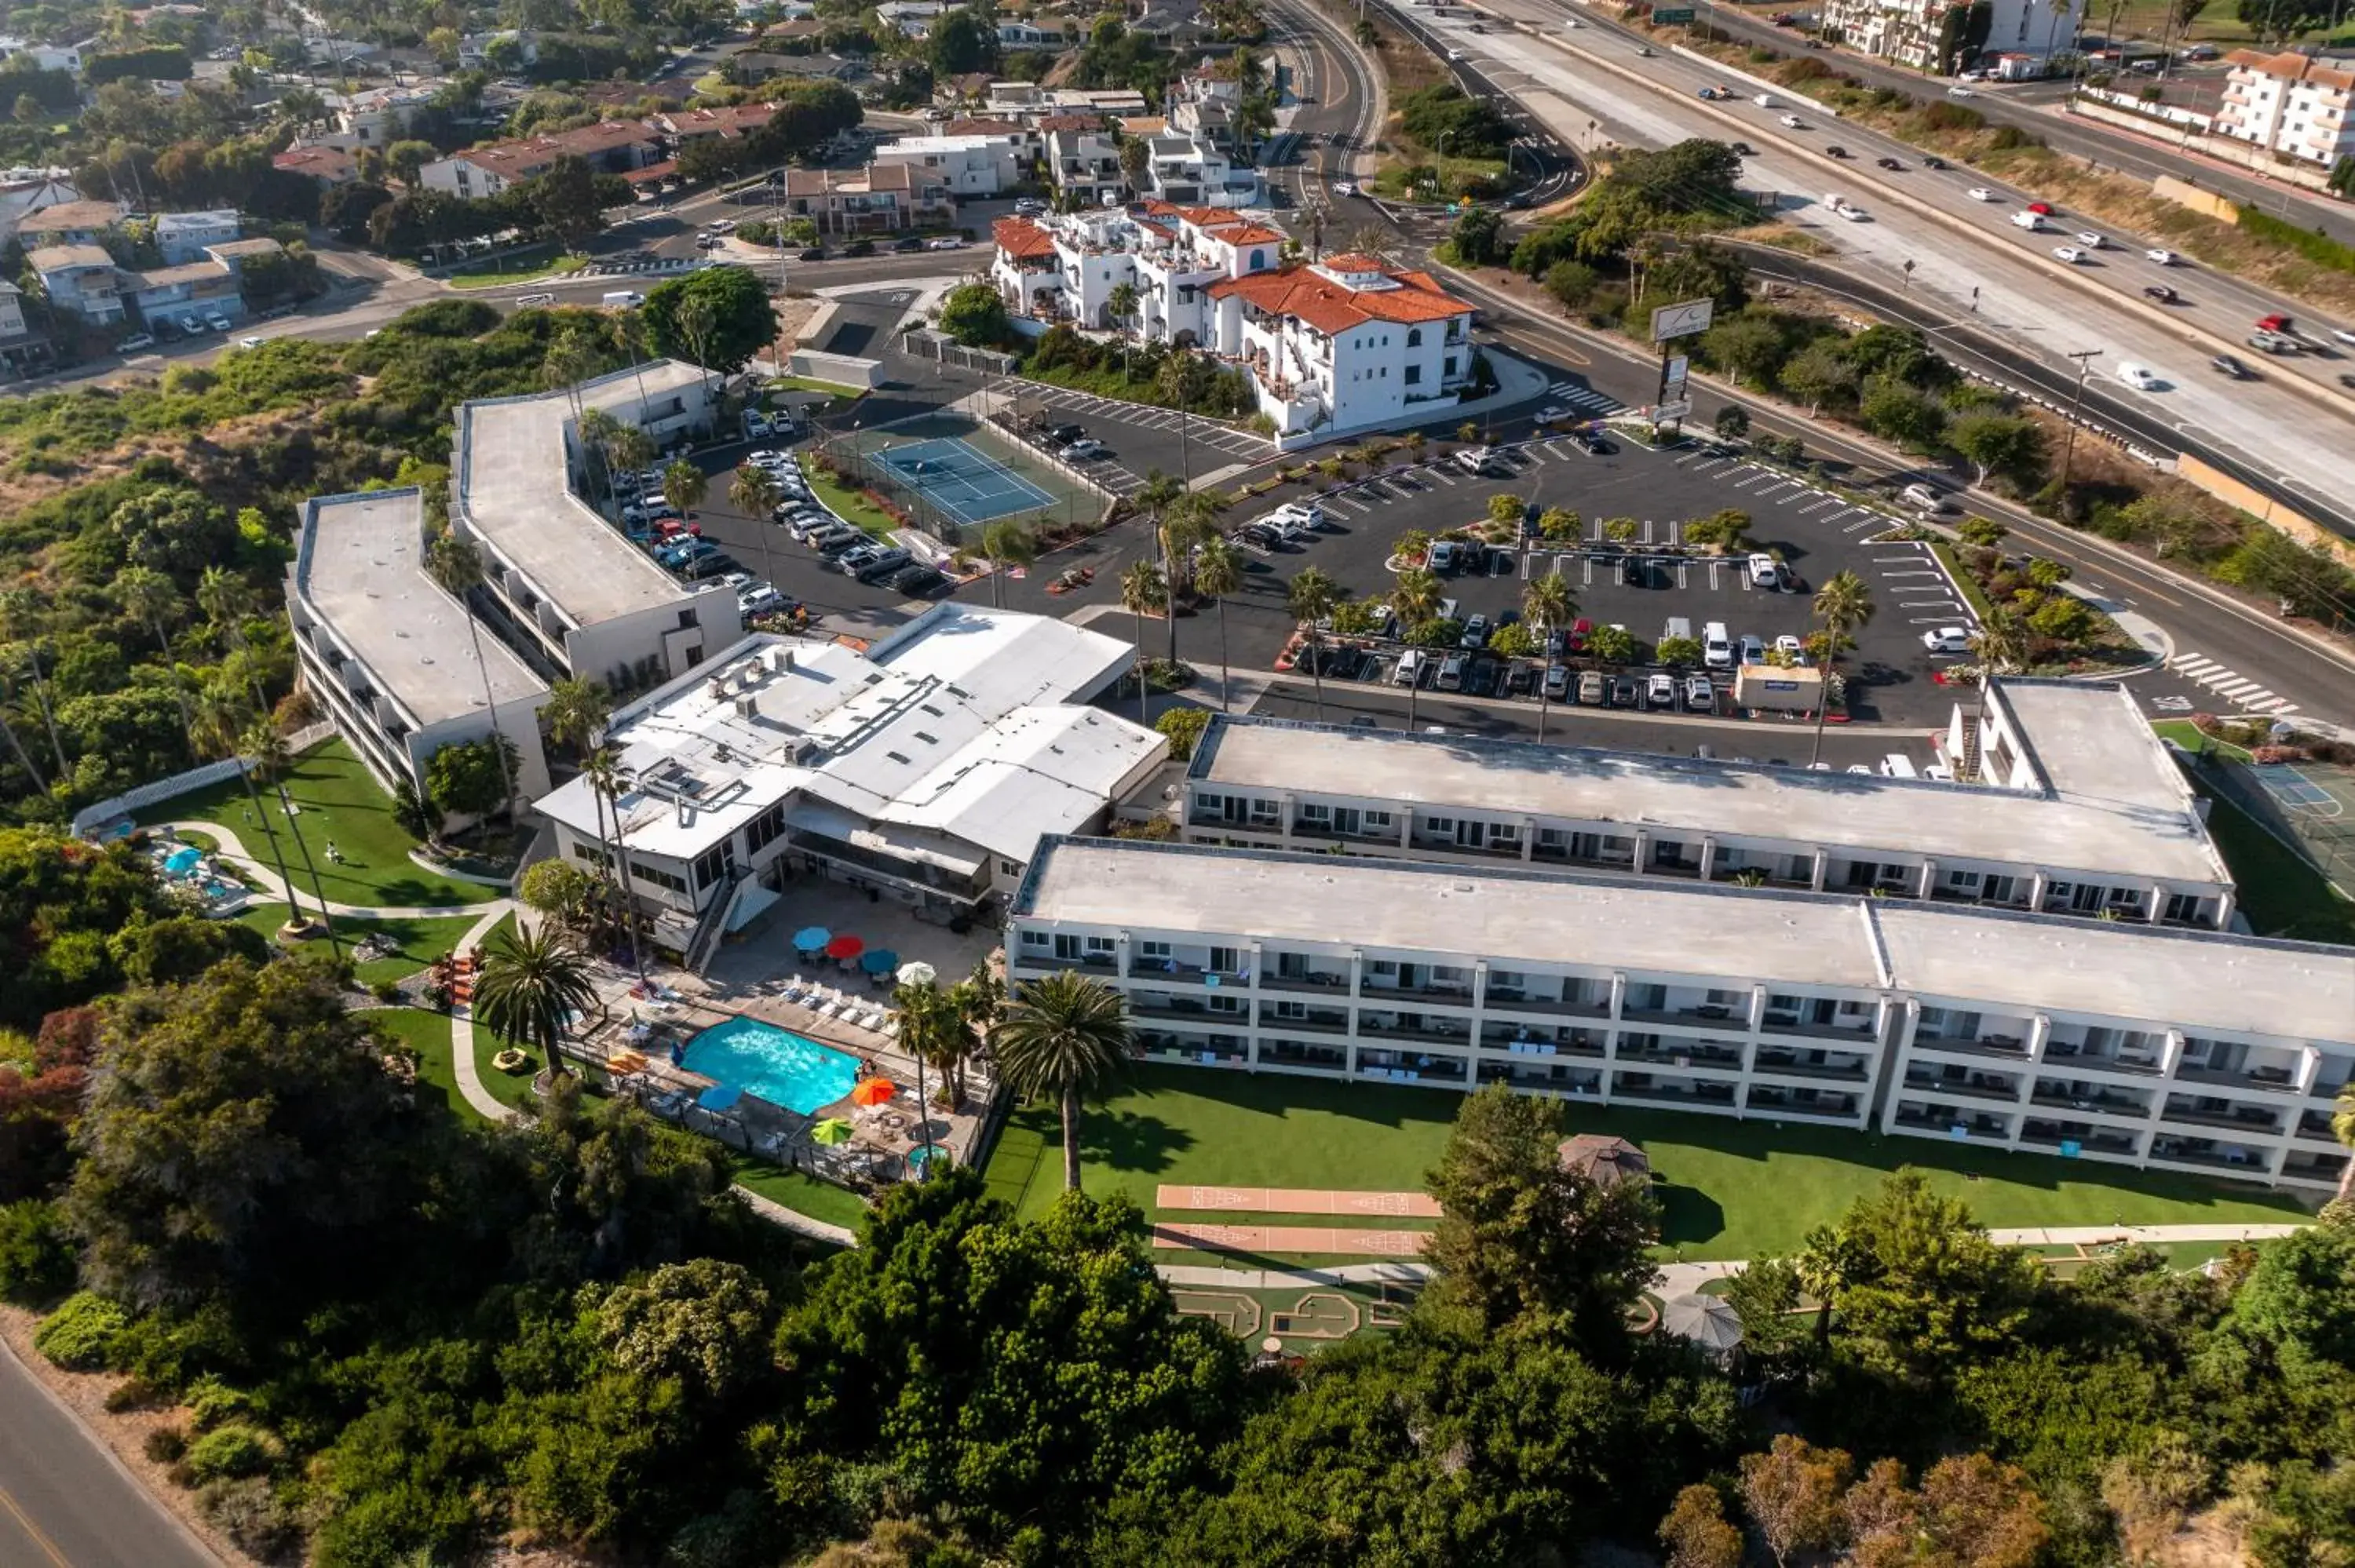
(873, 1091)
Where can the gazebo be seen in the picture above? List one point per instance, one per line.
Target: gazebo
(1605, 1161)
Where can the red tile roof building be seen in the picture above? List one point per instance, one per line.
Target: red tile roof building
(609, 146)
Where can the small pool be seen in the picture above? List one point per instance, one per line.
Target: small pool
(775, 1064)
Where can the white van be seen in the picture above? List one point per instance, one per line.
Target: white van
(623, 299)
(1410, 667)
(1895, 766)
(2030, 222)
(1764, 100)
(1677, 626)
(1716, 647)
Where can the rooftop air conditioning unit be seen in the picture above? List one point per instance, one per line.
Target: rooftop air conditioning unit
(719, 687)
(748, 707)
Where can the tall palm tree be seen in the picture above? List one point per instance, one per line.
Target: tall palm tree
(20, 621)
(628, 449)
(264, 752)
(1005, 543)
(755, 494)
(148, 597)
(934, 1031)
(1415, 595)
(1142, 591)
(1160, 495)
(1841, 606)
(576, 710)
(221, 725)
(2000, 645)
(683, 486)
(600, 433)
(530, 985)
(603, 772)
(1548, 605)
(1219, 572)
(457, 565)
(9, 675)
(1310, 598)
(1184, 523)
(569, 360)
(980, 998)
(1065, 1035)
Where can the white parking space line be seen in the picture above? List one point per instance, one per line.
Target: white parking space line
(1444, 478)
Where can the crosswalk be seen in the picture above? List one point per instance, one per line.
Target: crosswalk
(1585, 399)
(2245, 694)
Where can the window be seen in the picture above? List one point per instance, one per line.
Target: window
(1378, 822)
(1266, 813)
(686, 620)
(1443, 825)
(1414, 337)
(1448, 366)
(657, 876)
(1035, 939)
(1100, 947)
(766, 829)
(1067, 948)
(1008, 868)
(714, 864)
(1413, 374)
(1315, 813)
(590, 853)
(1154, 950)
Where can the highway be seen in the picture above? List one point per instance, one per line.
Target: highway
(1963, 252)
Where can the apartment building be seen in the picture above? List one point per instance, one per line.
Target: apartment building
(386, 652)
(926, 766)
(1345, 343)
(2096, 823)
(190, 292)
(575, 594)
(1065, 267)
(969, 166)
(80, 278)
(1190, 170)
(2157, 1048)
(70, 223)
(611, 146)
(1084, 160)
(2294, 105)
(1918, 32)
(881, 199)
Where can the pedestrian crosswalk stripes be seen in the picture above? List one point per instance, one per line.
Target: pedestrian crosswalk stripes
(2245, 694)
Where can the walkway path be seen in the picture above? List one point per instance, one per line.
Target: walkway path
(233, 850)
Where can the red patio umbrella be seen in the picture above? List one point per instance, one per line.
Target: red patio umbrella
(873, 1091)
(845, 948)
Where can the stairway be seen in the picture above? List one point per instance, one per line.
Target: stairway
(462, 979)
(1966, 767)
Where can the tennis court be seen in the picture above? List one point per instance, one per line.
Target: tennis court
(2286, 784)
(962, 482)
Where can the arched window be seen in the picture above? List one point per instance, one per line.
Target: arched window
(1414, 337)
(1258, 260)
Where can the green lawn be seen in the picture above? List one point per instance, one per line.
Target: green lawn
(541, 261)
(338, 802)
(1731, 1189)
(800, 1192)
(2186, 733)
(427, 1034)
(850, 504)
(1966, 584)
(812, 383)
(2280, 893)
(421, 940)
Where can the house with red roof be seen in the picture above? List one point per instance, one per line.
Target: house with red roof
(1345, 343)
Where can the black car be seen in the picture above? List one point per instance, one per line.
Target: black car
(1887, 162)
(813, 253)
(1520, 680)
(1929, 162)
(859, 248)
(1744, 150)
(2230, 366)
(1064, 435)
(909, 242)
(889, 564)
(1481, 681)
(1836, 152)
(1622, 692)
(1632, 572)
(1591, 444)
(918, 582)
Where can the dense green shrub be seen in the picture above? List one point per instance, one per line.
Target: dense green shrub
(81, 1335)
(36, 1258)
(227, 1452)
(2320, 248)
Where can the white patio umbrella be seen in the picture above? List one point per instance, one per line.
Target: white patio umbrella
(1709, 1321)
(915, 971)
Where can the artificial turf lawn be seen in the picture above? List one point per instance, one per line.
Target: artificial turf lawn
(338, 802)
(1730, 1189)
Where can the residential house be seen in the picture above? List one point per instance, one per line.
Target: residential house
(726, 123)
(1044, 32)
(12, 313)
(183, 236)
(609, 146)
(910, 19)
(375, 119)
(324, 164)
(1065, 267)
(1190, 171)
(65, 57)
(24, 192)
(925, 766)
(881, 199)
(968, 166)
(70, 223)
(79, 281)
(2189, 1051)
(190, 292)
(1084, 164)
(395, 662)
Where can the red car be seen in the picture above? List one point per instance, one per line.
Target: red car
(2040, 209)
(1578, 631)
(2279, 324)
(672, 527)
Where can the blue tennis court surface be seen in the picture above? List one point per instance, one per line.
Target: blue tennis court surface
(961, 481)
(2286, 784)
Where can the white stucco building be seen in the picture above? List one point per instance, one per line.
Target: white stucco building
(386, 653)
(1347, 343)
(564, 579)
(1913, 32)
(927, 767)
(2174, 1050)
(2293, 105)
(1065, 267)
(970, 165)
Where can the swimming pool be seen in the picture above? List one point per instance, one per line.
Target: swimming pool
(775, 1064)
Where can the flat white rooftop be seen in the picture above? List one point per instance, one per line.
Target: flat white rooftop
(2129, 836)
(2192, 979)
(1424, 908)
(515, 492)
(359, 565)
(2093, 746)
(967, 724)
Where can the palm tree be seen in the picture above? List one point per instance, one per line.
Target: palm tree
(530, 986)
(755, 494)
(1142, 591)
(221, 726)
(8, 676)
(148, 597)
(1218, 572)
(1184, 523)
(457, 566)
(934, 1032)
(1414, 441)
(1415, 594)
(266, 757)
(599, 431)
(576, 709)
(20, 621)
(628, 449)
(1841, 606)
(603, 772)
(980, 997)
(1548, 605)
(1065, 1036)
(2000, 644)
(1005, 543)
(683, 486)
(1310, 598)
(568, 362)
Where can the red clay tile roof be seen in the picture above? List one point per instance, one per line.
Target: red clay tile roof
(1330, 307)
(1018, 237)
(1354, 261)
(974, 127)
(1071, 123)
(331, 163)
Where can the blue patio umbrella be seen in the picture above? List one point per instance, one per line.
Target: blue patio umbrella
(878, 960)
(812, 939)
(720, 1096)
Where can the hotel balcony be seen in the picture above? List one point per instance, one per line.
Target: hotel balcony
(1813, 1064)
(1771, 1101)
(1182, 1009)
(1976, 1085)
(1689, 1093)
(1514, 1039)
(1535, 1078)
(1508, 998)
(1413, 1026)
(1683, 1055)
(1859, 1032)
(1413, 1067)
(2207, 1152)
(2314, 1169)
(2314, 1127)
(1316, 1020)
(1310, 982)
(2013, 1047)
(1210, 1051)
(2261, 1079)
(2089, 1098)
(1302, 1055)
(1934, 1117)
(2042, 1132)
(2257, 1121)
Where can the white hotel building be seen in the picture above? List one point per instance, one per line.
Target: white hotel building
(575, 592)
(385, 652)
(2293, 105)
(927, 767)
(2083, 814)
(2168, 1049)
(1344, 345)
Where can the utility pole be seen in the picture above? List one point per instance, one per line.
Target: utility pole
(2084, 359)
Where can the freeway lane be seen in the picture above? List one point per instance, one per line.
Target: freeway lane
(1555, 76)
(64, 1500)
(2201, 621)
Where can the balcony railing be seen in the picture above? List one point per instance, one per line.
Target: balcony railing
(1696, 1094)
(1316, 983)
(2251, 1119)
(1498, 1040)
(2080, 1061)
(2004, 1045)
(1690, 1012)
(1289, 1053)
(2092, 1139)
(1372, 1030)
(1787, 1023)
(1501, 999)
(1314, 1023)
(1786, 1063)
(1718, 1061)
(1773, 1100)
(2264, 1080)
(1942, 1121)
(1444, 995)
(2116, 1105)
(2219, 1159)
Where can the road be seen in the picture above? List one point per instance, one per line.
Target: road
(2037, 308)
(2088, 139)
(65, 1503)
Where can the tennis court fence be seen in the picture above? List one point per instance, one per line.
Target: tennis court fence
(2327, 843)
(933, 343)
(859, 458)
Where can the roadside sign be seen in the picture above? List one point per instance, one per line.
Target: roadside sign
(1667, 411)
(1671, 16)
(1681, 320)
(1672, 382)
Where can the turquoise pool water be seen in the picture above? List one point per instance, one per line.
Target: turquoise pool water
(775, 1064)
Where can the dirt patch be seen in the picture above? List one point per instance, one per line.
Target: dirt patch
(793, 316)
(1780, 236)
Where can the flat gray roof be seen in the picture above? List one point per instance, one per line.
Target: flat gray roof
(360, 567)
(2093, 746)
(516, 493)
(1608, 921)
(1862, 813)
(2193, 979)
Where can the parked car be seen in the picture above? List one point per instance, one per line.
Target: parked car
(1557, 683)
(887, 564)
(1766, 572)
(1634, 572)
(859, 248)
(1451, 671)
(217, 320)
(1754, 648)
(1411, 667)
(1716, 647)
(810, 253)
(1446, 555)
(1660, 692)
(1701, 695)
(918, 582)
(1947, 639)
(1084, 450)
(1791, 648)
(135, 343)
(1592, 444)
(1622, 692)
(946, 242)
(1475, 633)
(908, 242)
